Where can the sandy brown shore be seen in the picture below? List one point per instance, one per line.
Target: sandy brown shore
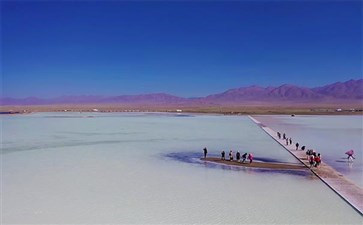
(265, 165)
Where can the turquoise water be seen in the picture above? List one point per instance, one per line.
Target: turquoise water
(332, 136)
(145, 168)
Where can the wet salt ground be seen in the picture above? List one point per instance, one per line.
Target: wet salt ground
(194, 159)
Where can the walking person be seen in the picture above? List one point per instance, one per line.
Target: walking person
(287, 141)
(244, 157)
(238, 156)
(309, 152)
(297, 146)
(350, 154)
(311, 160)
(223, 155)
(290, 140)
(279, 135)
(250, 157)
(205, 152)
(284, 136)
(303, 148)
(230, 155)
(317, 160)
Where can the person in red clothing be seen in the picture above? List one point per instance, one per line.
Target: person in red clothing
(317, 160)
(311, 160)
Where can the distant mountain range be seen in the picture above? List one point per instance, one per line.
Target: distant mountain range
(349, 91)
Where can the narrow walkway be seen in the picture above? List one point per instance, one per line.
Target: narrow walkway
(346, 189)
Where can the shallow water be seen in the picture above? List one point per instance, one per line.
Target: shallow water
(331, 136)
(145, 168)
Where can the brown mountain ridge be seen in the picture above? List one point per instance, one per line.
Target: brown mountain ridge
(351, 91)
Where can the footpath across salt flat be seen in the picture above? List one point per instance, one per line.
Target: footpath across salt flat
(345, 188)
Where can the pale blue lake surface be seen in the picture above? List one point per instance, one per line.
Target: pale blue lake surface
(145, 168)
(331, 136)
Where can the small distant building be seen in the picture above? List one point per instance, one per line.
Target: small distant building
(338, 110)
(95, 110)
(179, 110)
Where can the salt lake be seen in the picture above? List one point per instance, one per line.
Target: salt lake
(144, 168)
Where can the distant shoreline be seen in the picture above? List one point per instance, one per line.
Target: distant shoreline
(284, 109)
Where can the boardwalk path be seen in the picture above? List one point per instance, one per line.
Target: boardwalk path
(346, 189)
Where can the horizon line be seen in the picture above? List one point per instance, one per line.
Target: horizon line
(165, 93)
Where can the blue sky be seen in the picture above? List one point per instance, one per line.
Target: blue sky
(184, 48)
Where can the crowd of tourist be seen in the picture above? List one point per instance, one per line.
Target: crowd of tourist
(239, 157)
(313, 157)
